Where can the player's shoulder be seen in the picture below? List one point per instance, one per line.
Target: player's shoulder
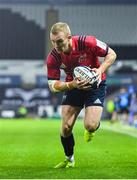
(54, 56)
(82, 37)
(84, 41)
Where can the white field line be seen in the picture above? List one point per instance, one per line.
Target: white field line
(121, 131)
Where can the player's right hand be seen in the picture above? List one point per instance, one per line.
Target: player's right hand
(81, 84)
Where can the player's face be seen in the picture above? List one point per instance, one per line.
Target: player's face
(61, 42)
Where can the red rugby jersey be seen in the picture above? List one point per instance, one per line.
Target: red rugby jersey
(85, 52)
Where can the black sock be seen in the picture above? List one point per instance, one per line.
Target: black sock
(68, 144)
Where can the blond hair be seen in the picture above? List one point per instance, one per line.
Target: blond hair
(60, 27)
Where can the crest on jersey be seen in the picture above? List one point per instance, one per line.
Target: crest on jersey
(82, 58)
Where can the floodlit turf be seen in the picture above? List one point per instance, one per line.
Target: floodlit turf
(30, 149)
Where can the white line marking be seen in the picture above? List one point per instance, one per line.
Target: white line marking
(121, 131)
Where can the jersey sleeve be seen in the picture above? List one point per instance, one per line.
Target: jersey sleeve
(53, 68)
(98, 47)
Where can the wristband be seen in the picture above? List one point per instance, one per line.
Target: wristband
(70, 85)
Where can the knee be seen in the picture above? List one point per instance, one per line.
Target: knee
(66, 129)
(91, 127)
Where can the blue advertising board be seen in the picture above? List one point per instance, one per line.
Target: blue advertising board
(10, 80)
(41, 81)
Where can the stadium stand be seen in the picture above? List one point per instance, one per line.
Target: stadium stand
(117, 22)
(21, 38)
(96, 16)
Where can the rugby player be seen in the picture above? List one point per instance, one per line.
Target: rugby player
(67, 53)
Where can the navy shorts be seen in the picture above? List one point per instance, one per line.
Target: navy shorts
(92, 97)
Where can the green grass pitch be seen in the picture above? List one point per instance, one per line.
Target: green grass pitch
(30, 148)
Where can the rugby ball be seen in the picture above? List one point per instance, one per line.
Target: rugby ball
(86, 73)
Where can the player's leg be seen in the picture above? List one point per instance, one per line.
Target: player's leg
(92, 121)
(94, 100)
(69, 115)
(72, 103)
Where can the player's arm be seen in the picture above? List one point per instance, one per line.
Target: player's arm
(101, 49)
(53, 74)
(108, 60)
(58, 86)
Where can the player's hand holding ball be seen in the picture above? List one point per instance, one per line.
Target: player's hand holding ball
(87, 78)
(82, 83)
(98, 73)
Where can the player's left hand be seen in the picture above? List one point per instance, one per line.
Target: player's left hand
(98, 73)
